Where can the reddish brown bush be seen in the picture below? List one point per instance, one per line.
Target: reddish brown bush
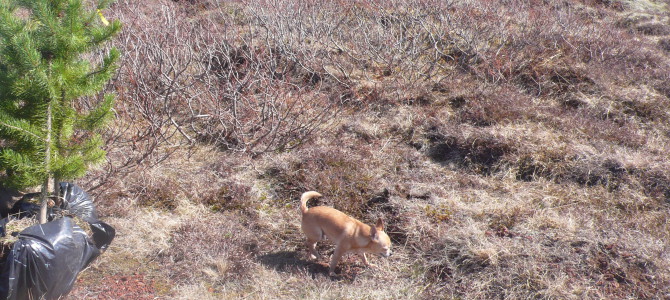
(336, 173)
(482, 155)
(229, 246)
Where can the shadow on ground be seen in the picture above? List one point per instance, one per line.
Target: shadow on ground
(291, 262)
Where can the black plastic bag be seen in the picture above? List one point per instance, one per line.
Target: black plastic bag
(46, 259)
(77, 202)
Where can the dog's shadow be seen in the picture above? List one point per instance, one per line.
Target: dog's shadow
(292, 262)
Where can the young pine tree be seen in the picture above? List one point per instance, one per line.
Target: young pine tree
(45, 67)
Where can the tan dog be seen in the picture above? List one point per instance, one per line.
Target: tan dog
(348, 234)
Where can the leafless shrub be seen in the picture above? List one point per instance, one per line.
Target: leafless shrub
(186, 82)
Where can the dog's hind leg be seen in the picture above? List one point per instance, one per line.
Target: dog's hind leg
(311, 246)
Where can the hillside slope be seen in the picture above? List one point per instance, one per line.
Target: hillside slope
(515, 150)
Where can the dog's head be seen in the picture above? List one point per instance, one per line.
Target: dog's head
(381, 243)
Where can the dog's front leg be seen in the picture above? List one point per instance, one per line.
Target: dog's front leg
(339, 251)
(365, 259)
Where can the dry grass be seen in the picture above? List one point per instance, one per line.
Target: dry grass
(12, 229)
(515, 149)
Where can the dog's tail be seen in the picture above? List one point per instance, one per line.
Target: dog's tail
(305, 197)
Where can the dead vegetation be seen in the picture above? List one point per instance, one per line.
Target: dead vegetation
(516, 149)
(12, 229)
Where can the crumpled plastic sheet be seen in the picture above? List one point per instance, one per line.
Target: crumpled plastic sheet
(77, 202)
(46, 259)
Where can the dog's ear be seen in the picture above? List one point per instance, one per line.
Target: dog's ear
(380, 224)
(373, 232)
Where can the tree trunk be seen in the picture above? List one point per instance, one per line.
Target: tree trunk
(56, 189)
(44, 200)
(47, 162)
